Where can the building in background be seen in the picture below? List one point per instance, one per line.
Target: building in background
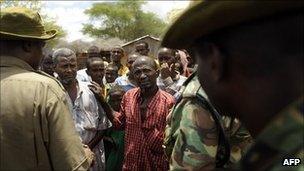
(153, 42)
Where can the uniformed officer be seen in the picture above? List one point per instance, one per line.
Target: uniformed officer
(196, 135)
(36, 127)
(250, 57)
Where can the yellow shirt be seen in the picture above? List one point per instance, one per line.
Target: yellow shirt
(36, 126)
(123, 70)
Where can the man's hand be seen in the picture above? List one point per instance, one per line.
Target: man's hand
(89, 154)
(97, 90)
(165, 71)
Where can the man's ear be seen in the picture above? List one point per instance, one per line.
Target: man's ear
(27, 46)
(216, 61)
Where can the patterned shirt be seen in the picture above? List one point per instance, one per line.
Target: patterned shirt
(144, 138)
(281, 139)
(89, 117)
(170, 85)
(192, 135)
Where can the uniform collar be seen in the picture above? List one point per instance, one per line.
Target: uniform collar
(11, 61)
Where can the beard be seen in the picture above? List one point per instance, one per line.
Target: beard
(67, 81)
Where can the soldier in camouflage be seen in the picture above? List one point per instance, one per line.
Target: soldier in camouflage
(192, 135)
(250, 58)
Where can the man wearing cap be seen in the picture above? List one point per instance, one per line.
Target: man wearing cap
(37, 131)
(251, 65)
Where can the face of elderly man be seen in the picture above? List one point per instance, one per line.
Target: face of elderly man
(145, 73)
(66, 68)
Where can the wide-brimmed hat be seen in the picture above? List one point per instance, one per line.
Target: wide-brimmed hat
(207, 17)
(17, 23)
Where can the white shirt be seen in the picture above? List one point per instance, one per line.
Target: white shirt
(83, 76)
(88, 114)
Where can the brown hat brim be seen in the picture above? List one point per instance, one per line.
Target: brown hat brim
(11, 36)
(207, 17)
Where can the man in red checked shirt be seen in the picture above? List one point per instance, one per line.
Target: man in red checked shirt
(143, 116)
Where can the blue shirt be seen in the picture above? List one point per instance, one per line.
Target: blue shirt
(124, 82)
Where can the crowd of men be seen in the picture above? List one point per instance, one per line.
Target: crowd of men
(220, 96)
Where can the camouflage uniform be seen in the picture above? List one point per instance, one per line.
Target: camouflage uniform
(281, 139)
(192, 134)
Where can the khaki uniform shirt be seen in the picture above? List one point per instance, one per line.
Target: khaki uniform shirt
(36, 127)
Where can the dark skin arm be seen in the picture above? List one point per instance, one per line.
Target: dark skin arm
(98, 137)
(97, 90)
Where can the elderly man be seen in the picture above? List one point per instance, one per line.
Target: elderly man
(128, 81)
(117, 53)
(143, 117)
(37, 131)
(88, 115)
(251, 65)
(169, 80)
(142, 48)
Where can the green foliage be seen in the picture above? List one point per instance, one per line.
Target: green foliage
(122, 19)
(49, 23)
(32, 4)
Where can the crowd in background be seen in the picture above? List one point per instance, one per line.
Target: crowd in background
(114, 79)
(164, 112)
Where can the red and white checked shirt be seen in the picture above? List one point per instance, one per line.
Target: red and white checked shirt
(144, 139)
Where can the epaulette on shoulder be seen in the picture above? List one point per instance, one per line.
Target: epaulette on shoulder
(191, 88)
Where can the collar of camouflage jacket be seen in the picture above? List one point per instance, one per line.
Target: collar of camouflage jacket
(192, 88)
(11, 61)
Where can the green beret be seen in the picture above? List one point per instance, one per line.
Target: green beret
(206, 17)
(18, 23)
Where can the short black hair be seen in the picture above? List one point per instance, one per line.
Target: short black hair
(92, 59)
(142, 42)
(116, 88)
(111, 65)
(146, 58)
(173, 52)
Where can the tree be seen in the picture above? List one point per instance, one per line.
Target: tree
(123, 19)
(49, 23)
(32, 4)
